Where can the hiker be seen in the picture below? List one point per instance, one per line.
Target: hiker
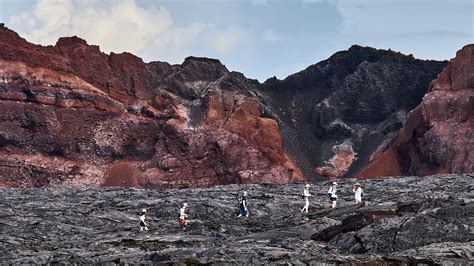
(243, 204)
(182, 216)
(142, 220)
(358, 192)
(305, 196)
(332, 194)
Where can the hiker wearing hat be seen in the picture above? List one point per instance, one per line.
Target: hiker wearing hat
(305, 196)
(243, 204)
(358, 192)
(332, 194)
(182, 216)
(142, 220)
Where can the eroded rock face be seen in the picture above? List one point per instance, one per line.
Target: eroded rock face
(404, 220)
(342, 160)
(360, 96)
(438, 134)
(72, 115)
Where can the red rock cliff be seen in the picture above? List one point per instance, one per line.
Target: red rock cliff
(438, 135)
(72, 115)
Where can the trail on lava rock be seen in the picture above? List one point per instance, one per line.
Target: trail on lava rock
(422, 219)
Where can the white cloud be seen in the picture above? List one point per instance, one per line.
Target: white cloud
(269, 35)
(43, 19)
(121, 25)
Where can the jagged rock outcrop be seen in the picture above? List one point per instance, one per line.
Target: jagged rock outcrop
(404, 220)
(438, 134)
(335, 114)
(72, 115)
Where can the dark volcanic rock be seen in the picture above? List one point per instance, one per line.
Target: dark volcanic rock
(438, 134)
(356, 99)
(72, 115)
(407, 220)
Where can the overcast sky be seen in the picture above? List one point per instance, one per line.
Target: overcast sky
(257, 37)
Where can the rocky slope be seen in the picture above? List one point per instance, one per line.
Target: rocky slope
(337, 113)
(438, 134)
(72, 115)
(405, 220)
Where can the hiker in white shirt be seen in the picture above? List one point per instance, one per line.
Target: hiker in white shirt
(183, 216)
(243, 204)
(358, 192)
(142, 220)
(305, 196)
(332, 194)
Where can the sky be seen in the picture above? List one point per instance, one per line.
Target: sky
(260, 38)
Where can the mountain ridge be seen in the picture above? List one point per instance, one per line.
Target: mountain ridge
(72, 115)
(98, 116)
(334, 104)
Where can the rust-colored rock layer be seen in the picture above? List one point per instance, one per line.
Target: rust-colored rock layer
(438, 135)
(71, 115)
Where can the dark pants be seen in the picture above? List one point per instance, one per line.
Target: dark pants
(243, 210)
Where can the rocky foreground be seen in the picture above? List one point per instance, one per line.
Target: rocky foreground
(410, 219)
